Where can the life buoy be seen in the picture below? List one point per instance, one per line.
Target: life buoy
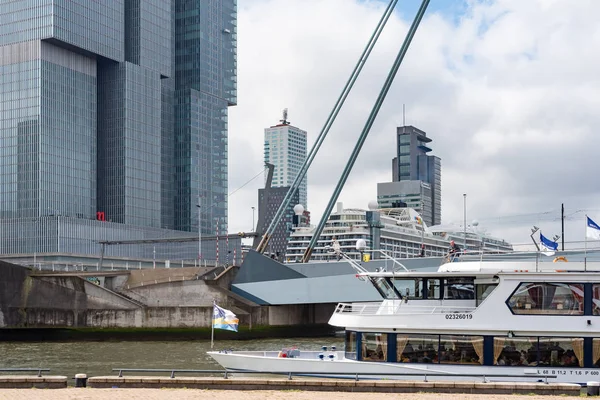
(561, 258)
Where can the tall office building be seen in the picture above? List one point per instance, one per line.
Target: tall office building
(113, 111)
(285, 148)
(205, 85)
(416, 176)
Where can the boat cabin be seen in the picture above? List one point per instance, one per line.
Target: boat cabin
(492, 314)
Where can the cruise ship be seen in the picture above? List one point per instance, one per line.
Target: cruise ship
(477, 240)
(400, 232)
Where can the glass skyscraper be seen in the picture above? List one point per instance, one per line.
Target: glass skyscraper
(115, 111)
(416, 176)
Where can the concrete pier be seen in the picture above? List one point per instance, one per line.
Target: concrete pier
(32, 381)
(332, 385)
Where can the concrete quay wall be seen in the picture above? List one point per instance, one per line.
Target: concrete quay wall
(175, 298)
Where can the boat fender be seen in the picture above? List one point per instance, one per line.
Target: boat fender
(561, 258)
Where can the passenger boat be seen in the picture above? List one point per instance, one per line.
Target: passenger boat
(507, 320)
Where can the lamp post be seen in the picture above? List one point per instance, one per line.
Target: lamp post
(465, 220)
(199, 205)
(253, 227)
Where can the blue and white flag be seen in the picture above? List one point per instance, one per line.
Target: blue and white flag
(547, 243)
(224, 319)
(592, 230)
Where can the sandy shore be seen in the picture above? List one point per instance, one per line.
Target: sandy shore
(189, 394)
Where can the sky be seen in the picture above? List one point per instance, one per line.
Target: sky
(508, 90)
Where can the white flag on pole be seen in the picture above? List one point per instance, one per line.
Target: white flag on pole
(592, 230)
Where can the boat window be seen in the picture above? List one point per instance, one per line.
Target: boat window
(433, 289)
(417, 348)
(596, 352)
(374, 347)
(515, 351)
(563, 352)
(484, 290)
(411, 288)
(461, 349)
(350, 345)
(459, 288)
(547, 298)
(596, 299)
(384, 288)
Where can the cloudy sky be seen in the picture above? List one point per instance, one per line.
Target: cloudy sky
(509, 91)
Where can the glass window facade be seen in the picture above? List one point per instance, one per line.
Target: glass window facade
(95, 118)
(205, 76)
(48, 132)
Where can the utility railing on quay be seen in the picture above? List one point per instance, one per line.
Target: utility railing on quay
(355, 375)
(38, 370)
(375, 309)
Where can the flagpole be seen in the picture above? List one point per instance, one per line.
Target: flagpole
(212, 325)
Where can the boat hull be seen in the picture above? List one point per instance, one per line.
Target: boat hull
(309, 364)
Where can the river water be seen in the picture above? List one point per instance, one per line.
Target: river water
(99, 358)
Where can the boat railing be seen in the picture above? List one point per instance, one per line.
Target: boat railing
(355, 376)
(398, 308)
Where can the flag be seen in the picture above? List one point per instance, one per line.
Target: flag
(592, 230)
(224, 319)
(547, 243)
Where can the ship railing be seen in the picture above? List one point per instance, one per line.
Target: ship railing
(349, 375)
(399, 308)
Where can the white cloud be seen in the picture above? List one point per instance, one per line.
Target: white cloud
(508, 92)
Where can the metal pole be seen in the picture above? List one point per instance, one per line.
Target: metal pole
(465, 220)
(562, 220)
(366, 129)
(199, 205)
(332, 116)
(253, 228)
(154, 257)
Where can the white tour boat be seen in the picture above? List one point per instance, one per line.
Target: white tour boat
(507, 320)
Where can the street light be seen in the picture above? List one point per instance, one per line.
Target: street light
(199, 205)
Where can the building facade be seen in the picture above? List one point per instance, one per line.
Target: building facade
(98, 124)
(285, 148)
(413, 164)
(266, 211)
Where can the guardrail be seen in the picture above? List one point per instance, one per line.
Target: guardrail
(371, 309)
(38, 370)
(355, 376)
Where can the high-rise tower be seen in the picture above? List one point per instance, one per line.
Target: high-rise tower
(113, 110)
(285, 148)
(416, 176)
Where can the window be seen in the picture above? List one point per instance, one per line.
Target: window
(547, 298)
(374, 347)
(417, 348)
(350, 345)
(459, 288)
(461, 349)
(596, 299)
(484, 290)
(433, 289)
(384, 288)
(515, 351)
(411, 288)
(563, 352)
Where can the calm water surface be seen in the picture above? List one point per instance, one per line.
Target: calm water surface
(99, 358)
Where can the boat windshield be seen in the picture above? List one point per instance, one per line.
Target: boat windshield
(385, 289)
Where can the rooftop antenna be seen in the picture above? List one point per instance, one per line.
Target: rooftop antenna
(403, 114)
(284, 121)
